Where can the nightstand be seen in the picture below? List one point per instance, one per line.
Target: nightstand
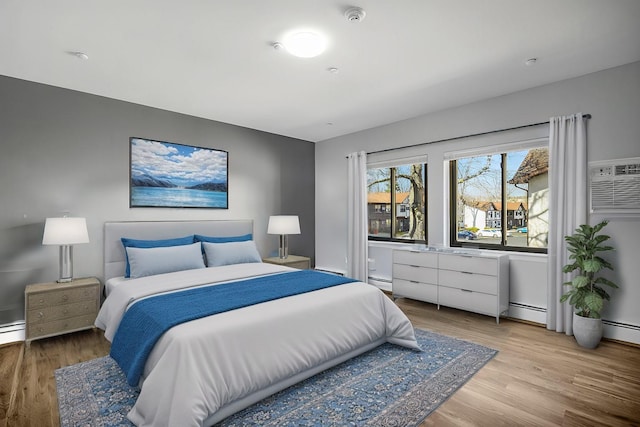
(295, 261)
(58, 308)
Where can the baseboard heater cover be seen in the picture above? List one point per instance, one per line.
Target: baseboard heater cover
(528, 307)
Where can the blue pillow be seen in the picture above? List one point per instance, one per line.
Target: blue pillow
(210, 239)
(135, 243)
(164, 259)
(231, 253)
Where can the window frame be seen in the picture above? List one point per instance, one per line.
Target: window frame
(453, 202)
(392, 177)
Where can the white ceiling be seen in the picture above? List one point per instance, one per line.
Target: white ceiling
(213, 59)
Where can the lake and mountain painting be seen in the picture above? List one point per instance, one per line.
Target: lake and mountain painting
(165, 174)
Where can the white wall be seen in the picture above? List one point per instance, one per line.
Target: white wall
(611, 96)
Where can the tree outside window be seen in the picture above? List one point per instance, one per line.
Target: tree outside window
(400, 193)
(502, 198)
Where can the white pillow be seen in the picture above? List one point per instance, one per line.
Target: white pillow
(231, 253)
(149, 261)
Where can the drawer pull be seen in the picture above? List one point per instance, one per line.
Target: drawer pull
(466, 272)
(41, 300)
(466, 290)
(414, 281)
(65, 297)
(40, 315)
(65, 311)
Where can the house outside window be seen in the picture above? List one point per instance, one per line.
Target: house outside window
(502, 198)
(400, 192)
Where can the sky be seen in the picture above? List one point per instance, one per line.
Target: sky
(181, 164)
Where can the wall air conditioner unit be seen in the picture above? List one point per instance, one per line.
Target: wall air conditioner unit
(615, 186)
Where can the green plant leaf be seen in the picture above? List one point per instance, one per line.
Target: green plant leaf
(592, 265)
(580, 281)
(595, 303)
(605, 281)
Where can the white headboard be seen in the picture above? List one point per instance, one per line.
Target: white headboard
(114, 254)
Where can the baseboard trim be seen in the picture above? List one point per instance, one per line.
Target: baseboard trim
(11, 333)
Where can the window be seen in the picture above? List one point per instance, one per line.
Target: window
(396, 203)
(501, 200)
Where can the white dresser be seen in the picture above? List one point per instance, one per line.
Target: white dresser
(477, 282)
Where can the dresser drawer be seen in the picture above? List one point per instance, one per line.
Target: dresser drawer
(470, 264)
(420, 259)
(62, 296)
(64, 311)
(469, 281)
(415, 274)
(466, 300)
(415, 290)
(35, 330)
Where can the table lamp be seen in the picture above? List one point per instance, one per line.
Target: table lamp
(65, 232)
(283, 225)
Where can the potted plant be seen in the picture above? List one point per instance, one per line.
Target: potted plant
(585, 292)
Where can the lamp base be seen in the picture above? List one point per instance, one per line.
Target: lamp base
(283, 250)
(66, 264)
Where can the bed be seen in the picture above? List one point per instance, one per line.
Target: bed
(203, 370)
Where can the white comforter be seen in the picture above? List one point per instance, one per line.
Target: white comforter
(198, 367)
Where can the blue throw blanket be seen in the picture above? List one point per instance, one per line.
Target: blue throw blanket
(145, 321)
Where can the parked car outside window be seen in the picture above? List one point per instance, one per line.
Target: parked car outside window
(466, 235)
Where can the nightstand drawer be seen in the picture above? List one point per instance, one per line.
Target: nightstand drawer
(302, 265)
(62, 311)
(58, 297)
(293, 261)
(36, 330)
(56, 308)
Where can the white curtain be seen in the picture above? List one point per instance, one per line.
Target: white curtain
(567, 208)
(357, 265)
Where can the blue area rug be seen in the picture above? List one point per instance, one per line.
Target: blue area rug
(388, 386)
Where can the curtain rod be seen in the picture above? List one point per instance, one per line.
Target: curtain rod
(584, 116)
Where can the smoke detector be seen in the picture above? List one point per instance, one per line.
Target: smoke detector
(354, 14)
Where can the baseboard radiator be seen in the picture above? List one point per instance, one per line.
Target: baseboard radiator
(12, 332)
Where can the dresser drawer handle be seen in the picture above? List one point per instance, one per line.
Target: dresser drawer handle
(65, 311)
(414, 281)
(466, 290)
(40, 315)
(65, 297)
(41, 300)
(466, 272)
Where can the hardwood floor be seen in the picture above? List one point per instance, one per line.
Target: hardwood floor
(538, 377)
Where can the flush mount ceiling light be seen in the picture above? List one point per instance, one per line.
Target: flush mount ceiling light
(305, 44)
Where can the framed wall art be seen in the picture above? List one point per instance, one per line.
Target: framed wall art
(167, 174)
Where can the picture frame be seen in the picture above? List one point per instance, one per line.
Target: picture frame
(173, 175)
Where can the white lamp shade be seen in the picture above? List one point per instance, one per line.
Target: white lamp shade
(65, 231)
(283, 224)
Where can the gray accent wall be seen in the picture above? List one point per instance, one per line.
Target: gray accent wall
(63, 151)
(612, 97)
